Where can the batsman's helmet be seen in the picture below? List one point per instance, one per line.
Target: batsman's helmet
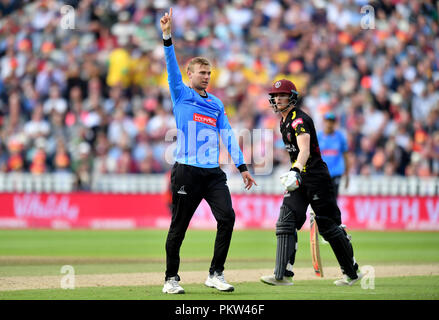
(283, 86)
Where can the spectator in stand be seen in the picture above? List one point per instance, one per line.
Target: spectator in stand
(61, 160)
(82, 166)
(37, 157)
(37, 126)
(15, 161)
(126, 163)
(382, 84)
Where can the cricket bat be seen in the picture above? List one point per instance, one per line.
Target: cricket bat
(315, 251)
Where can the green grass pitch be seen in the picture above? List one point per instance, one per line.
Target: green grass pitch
(411, 288)
(43, 252)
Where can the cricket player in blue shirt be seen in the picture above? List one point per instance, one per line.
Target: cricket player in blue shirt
(334, 150)
(196, 175)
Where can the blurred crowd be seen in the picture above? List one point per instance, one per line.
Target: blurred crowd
(85, 90)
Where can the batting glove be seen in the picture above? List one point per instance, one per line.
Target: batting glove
(291, 180)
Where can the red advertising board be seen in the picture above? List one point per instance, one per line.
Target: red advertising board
(127, 211)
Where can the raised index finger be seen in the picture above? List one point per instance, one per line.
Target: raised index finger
(170, 12)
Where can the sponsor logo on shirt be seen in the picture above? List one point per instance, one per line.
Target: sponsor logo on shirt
(330, 152)
(205, 119)
(296, 122)
(290, 148)
(182, 191)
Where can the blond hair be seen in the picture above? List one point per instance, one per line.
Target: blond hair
(197, 60)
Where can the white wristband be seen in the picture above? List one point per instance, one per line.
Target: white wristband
(166, 36)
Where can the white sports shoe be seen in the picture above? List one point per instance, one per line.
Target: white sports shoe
(172, 286)
(271, 280)
(346, 281)
(217, 281)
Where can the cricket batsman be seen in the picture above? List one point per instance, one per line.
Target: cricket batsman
(308, 182)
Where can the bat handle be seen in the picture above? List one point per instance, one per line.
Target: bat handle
(312, 215)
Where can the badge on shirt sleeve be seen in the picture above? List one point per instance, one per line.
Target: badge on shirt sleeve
(296, 123)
